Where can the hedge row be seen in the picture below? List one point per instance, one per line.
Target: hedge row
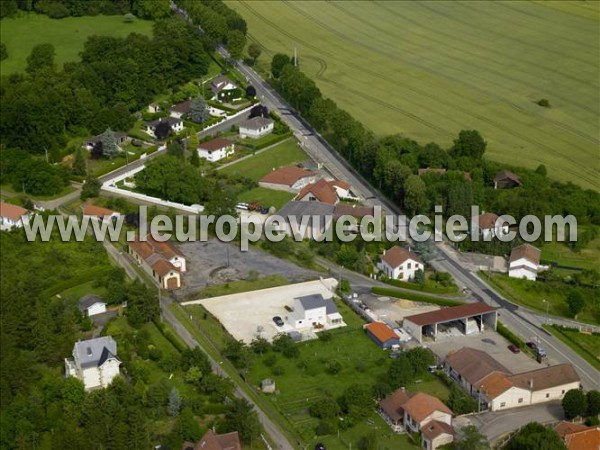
(420, 287)
(82, 277)
(179, 346)
(414, 297)
(510, 336)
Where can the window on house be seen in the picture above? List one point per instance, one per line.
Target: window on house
(521, 400)
(547, 395)
(409, 264)
(563, 391)
(502, 405)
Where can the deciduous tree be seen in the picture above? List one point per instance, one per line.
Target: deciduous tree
(42, 56)
(574, 403)
(254, 51)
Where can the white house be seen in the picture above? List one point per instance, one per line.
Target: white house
(181, 109)
(175, 124)
(400, 264)
(90, 305)
(154, 108)
(320, 191)
(12, 216)
(288, 178)
(256, 127)
(161, 260)
(488, 226)
(94, 362)
(98, 212)
(225, 90)
(313, 312)
(524, 262)
(216, 149)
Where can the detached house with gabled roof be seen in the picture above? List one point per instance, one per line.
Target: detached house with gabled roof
(213, 441)
(256, 127)
(161, 260)
(313, 312)
(216, 149)
(382, 335)
(419, 413)
(400, 264)
(12, 216)
(289, 178)
(524, 262)
(94, 362)
(505, 179)
(224, 90)
(488, 226)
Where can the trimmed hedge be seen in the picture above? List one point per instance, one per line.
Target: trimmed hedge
(179, 346)
(510, 336)
(415, 297)
(419, 287)
(263, 142)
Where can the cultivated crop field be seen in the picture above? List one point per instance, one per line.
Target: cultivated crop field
(430, 69)
(20, 34)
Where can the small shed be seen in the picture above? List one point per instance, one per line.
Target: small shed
(90, 305)
(268, 386)
(382, 335)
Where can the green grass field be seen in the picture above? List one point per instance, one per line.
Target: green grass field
(22, 33)
(266, 197)
(430, 69)
(586, 345)
(257, 166)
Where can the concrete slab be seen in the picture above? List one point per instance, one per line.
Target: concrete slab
(248, 315)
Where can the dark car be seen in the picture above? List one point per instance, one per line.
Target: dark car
(320, 446)
(278, 321)
(513, 348)
(531, 345)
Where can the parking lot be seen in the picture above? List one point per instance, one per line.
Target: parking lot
(490, 342)
(215, 262)
(250, 314)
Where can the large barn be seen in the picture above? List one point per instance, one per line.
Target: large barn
(469, 318)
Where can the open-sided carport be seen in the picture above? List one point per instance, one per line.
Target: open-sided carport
(472, 317)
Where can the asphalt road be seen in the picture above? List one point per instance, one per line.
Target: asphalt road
(323, 153)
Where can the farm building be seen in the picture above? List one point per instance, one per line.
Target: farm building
(161, 260)
(90, 305)
(382, 335)
(524, 262)
(469, 318)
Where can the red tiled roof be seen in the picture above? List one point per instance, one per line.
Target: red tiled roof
(381, 331)
(494, 384)
(451, 313)
(527, 251)
(215, 144)
(213, 441)
(486, 220)
(340, 183)
(563, 428)
(163, 267)
(286, 175)
(584, 440)
(421, 405)
(393, 404)
(474, 365)
(507, 175)
(156, 254)
(12, 212)
(321, 190)
(352, 210)
(93, 210)
(397, 255)
(434, 428)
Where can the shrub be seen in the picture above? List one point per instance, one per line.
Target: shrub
(543, 102)
(325, 427)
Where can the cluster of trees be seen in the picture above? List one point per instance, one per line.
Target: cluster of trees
(57, 9)
(221, 24)
(391, 163)
(31, 175)
(577, 403)
(116, 76)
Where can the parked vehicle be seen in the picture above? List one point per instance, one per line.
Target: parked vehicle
(278, 321)
(531, 345)
(513, 348)
(541, 352)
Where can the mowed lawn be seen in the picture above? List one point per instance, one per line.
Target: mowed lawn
(68, 35)
(257, 166)
(266, 197)
(430, 69)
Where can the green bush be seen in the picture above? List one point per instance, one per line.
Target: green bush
(510, 336)
(422, 287)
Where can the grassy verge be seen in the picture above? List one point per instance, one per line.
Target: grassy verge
(235, 287)
(585, 345)
(284, 154)
(417, 297)
(542, 296)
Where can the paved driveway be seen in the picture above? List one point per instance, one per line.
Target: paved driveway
(494, 424)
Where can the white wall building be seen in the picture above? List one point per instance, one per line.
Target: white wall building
(175, 124)
(313, 312)
(216, 149)
(400, 264)
(524, 262)
(12, 216)
(486, 226)
(91, 305)
(94, 362)
(256, 127)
